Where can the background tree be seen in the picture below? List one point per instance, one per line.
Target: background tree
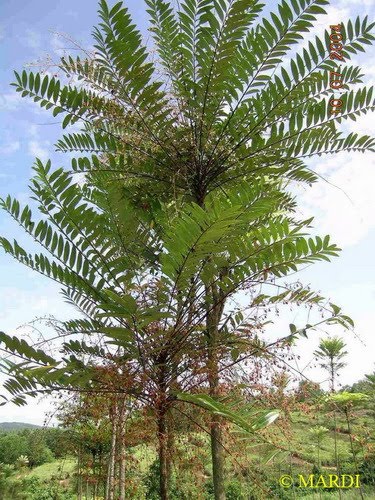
(317, 435)
(308, 391)
(345, 401)
(331, 354)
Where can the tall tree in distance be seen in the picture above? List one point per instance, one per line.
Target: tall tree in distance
(331, 354)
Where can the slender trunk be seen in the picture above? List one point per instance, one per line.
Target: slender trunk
(217, 450)
(163, 454)
(319, 468)
(162, 430)
(217, 458)
(352, 448)
(338, 465)
(101, 481)
(319, 454)
(215, 306)
(332, 377)
(170, 448)
(110, 487)
(79, 474)
(335, 421)
(122, 474)
(122, 451)
(170, 427)
(94, 475)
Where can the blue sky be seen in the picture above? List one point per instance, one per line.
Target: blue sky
(28, 32)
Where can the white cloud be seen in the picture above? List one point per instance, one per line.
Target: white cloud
(344, 207)
(11, 101)
(18, 307)
(33, 131)
(31, 39)
(360, 343)
(9, 147)
(363, 124)
(72, 13)
(335, 14)
(36, 148)
(355, 3)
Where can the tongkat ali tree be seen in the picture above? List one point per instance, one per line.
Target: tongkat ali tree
(203, 134)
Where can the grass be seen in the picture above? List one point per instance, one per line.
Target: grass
(58, 469)
(305, 447)
(144, 455)
(347, 495)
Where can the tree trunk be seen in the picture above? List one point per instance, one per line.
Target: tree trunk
(335, 422)
(352, 448)
(217, 458)
(163, 454)
(122, 450)
(170, 449)
(122, 474)
(217, 450)
(162, 428)
(80, 489)
(110, 488)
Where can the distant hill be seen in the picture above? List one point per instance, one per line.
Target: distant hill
(17, 426)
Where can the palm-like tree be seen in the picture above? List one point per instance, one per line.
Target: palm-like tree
(331, 354)
(213, 113)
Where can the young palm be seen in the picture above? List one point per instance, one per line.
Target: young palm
(331, 354)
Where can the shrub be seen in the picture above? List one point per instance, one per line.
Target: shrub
(367, 470)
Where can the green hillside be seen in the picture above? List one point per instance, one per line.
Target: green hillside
(16, 426)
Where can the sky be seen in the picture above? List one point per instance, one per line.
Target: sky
(343, 204)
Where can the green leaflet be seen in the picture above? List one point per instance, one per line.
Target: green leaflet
(126, 302)
(119, 333)
(250, 423)
(22, 348)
